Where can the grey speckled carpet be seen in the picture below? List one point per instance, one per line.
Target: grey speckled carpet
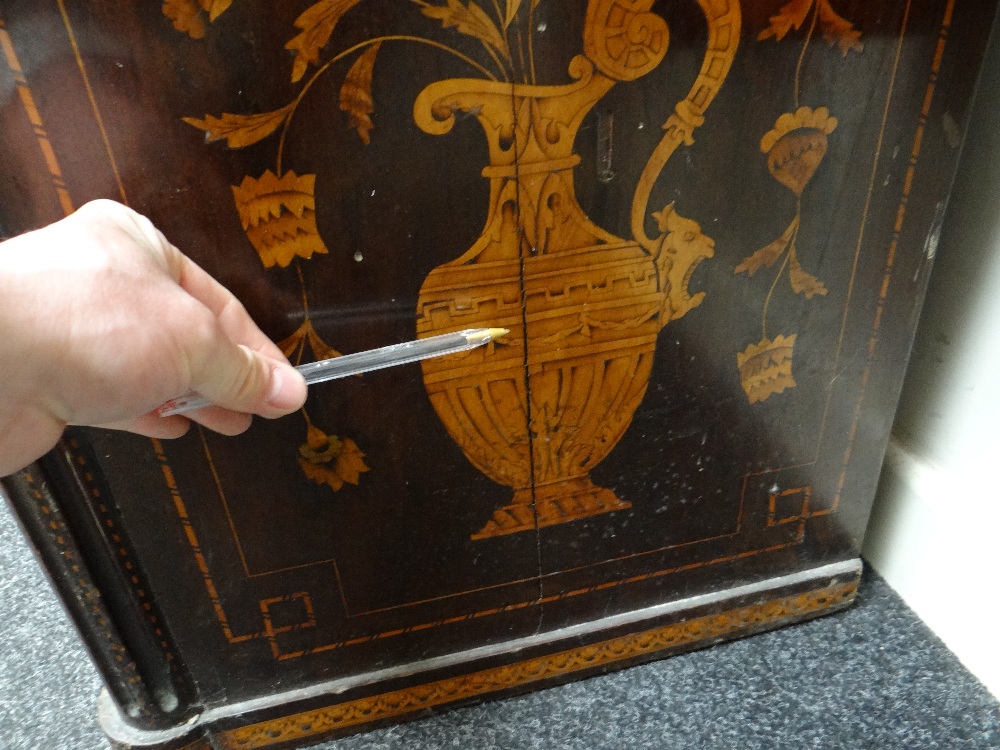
(872, 676)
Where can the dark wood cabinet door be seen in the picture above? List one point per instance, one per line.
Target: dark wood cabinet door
(706, 224)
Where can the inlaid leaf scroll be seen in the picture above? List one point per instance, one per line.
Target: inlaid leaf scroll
(240, 130)
(317, 24)
(188, 16)
(790, 16)
(511, 12)
(802, 281)
(836, 29)
(356, 94)
(767, 255)
(468, 19)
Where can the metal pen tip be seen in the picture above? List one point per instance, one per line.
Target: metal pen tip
(484, 335)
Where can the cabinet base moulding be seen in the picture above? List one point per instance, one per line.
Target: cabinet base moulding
(346, 706)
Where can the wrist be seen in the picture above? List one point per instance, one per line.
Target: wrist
(26, 430)
(22, 324)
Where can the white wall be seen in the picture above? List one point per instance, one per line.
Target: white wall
(935, 530)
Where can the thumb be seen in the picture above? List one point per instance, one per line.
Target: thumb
(238, 378)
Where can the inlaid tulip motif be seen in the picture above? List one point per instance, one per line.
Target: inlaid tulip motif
(795, 148)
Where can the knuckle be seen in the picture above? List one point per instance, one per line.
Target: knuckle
(98, 205)
(101, 208)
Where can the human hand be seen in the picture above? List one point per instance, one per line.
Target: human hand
(102, 320)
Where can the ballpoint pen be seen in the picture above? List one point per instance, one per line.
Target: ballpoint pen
(360, 362)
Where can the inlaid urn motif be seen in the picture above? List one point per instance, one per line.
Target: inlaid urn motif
(539, 409)
(584, 307)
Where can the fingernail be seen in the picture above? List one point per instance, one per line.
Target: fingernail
(285, 393)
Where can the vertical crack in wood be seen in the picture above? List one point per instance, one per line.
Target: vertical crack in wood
(605, 136)
(522, 278)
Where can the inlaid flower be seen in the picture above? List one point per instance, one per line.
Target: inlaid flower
(279, 216)
(327, 459)
(797, 144)
(766, 367)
